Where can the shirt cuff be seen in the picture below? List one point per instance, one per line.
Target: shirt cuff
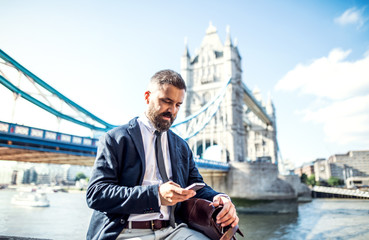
(222, 195)
(159, 197)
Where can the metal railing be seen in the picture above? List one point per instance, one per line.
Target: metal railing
(210, 164)
(341, 191)
(12, 129)
(37, 133)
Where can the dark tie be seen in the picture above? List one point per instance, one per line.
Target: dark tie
(160, 157)
(161, 167)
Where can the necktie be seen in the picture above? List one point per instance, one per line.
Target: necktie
(160, 157)
(162, 171)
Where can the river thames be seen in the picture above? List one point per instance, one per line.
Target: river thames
(68, 218)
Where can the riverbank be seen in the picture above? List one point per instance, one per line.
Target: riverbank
(19, 238)
(46, 189)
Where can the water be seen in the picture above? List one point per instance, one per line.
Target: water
(68, 218)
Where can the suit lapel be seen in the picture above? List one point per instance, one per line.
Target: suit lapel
(172, 142)
(135, 132)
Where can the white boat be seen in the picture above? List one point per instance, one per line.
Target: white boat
(31, 198)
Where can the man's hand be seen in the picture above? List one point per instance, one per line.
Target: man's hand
(171, 193)
(227, 216)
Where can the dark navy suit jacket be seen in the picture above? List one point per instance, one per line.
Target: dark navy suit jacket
(115, 190)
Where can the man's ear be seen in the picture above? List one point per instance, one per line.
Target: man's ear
(147, 96)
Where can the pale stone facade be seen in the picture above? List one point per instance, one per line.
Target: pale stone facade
(321, 169)
(244, 126)
(352, 167)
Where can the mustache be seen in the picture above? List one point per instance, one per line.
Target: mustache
(167, 114)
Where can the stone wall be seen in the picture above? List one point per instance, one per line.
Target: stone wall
(215, 179)
(256, 187)
(302, 191)
(257, 180)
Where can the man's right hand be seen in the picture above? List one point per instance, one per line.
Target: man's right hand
(171, 193)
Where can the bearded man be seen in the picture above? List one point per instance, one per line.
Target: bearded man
(141, 170)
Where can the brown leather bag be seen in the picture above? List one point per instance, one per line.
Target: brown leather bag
(200, 215)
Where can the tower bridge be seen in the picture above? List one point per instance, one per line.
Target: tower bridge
(221, 113)
(220, 104)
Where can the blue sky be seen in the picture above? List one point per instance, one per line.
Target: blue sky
(311, 56)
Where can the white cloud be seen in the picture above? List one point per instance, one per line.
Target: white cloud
(351, 16)
(344, 121)
(341, 89)
(331, 77)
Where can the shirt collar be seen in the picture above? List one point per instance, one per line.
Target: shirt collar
(147, 123)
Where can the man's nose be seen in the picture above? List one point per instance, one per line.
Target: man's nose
(172, 108)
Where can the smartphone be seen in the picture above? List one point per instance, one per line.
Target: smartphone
(195, 186)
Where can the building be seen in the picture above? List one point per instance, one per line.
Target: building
(6, 172)
(244, 126)
(307, 169)
(352, 167)
(321, 169)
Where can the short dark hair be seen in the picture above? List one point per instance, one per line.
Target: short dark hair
(168, 76)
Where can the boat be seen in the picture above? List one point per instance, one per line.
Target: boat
(30, 198)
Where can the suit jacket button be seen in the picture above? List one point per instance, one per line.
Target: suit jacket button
(122, 221)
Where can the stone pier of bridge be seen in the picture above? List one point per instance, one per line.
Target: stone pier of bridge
(258, 187)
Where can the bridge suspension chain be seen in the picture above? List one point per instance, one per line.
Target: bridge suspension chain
(45, 96)
(195, 123)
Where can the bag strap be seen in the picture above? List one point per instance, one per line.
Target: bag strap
(231, 232)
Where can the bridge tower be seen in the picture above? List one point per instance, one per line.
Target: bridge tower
(243, 127)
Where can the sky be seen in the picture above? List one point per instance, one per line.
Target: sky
(311, 57)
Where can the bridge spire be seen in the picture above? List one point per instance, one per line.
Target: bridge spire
(228, 41)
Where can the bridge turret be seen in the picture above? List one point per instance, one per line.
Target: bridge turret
(186, 66)
(228, 41)
(257, 94)
(186, 70)
(270, 107)
(231, 58)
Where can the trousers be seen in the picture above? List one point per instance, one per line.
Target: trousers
(181, 231)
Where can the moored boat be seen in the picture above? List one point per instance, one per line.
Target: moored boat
(32, 198)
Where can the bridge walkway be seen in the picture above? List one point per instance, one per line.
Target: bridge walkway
(331, 192)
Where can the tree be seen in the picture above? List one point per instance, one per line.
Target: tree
(311, 180)
(303, 178)
(334, 181)
(79, 176)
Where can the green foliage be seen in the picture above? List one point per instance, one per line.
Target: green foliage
(311, 180)
(80, 176)
(334, 181)
(303, 178)
(322, 183)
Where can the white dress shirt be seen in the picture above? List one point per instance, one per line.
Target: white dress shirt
(152, 175)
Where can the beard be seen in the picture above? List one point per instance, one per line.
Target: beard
(159, 123)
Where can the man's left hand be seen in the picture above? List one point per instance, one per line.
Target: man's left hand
(228, 215)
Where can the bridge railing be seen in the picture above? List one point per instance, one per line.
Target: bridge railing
(341, 191)
(21, 130)
(210, 164)
(7, 130)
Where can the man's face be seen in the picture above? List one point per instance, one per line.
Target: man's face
(163, 105)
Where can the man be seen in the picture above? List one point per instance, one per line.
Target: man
(141, 170)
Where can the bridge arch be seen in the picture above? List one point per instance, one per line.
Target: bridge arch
(210, 150)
